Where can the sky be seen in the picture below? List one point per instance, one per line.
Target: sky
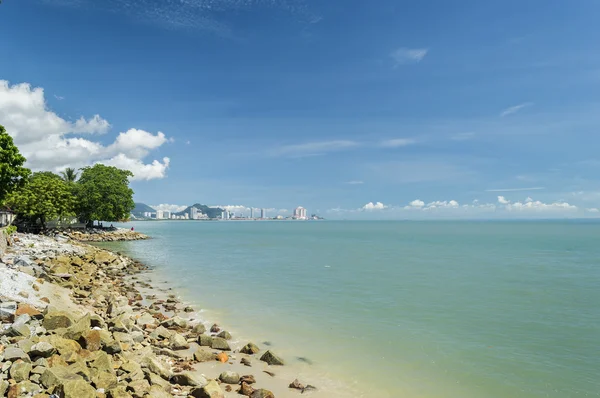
(352, 109)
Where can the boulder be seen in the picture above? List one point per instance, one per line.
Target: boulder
(224, 335)
(154, 365)
(90, 340)
(161, 333)
(205, 340)
(189, 379)
(76, 389)
(178, 342)
(139, 388)
(119, 392)
(57, 376)
(271, 358)
(250, 349)
(175, 322)
(3, 387)
(156, 380)
(104, 257)
(219, 343)
(14, 353)
(24, 389)
(20, 326)
(29, 310)
(7, 311)
(55, 319)
(158, 392)
(65, 347)
(79, 328)
(199, 329)
(100, 361)
(229, 377)
(42, 349)
(20, 370)
(211, 390)
(204, 356)
(262, 393)
(105, 380)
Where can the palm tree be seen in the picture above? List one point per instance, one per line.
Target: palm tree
(69, 175)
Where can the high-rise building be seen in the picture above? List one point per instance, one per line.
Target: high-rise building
(300, 213)
(193, 213)
(252, 212)
(263, 213)
(166, 214)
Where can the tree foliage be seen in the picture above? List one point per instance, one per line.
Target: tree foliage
(103, 193)
(69, 174)
(45, 196)
(12, 173)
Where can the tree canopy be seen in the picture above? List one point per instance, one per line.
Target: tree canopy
(12, 173)
(103, 193)
(45, 196)
(69, 174)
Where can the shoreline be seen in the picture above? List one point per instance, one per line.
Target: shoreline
(134, 321)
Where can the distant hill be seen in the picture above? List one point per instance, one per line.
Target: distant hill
(140, 209)
(211, 212)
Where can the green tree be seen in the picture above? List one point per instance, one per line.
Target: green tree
(103, 193)
(12, 173)
(69, 174)
(45, 197)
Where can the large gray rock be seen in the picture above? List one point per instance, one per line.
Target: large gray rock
(178, 342)
(42, 349)
(202, 355)
(262, 393)
(211, 390)
(224, 335)
(271, 358)
(20, 370)
(14, 353)
(189, 379)
(205, 340)
(55, 319)
(20, 326)
(229, 377)
(219, 343)
(175, 322)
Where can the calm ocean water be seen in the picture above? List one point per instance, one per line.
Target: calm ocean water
(392, 309)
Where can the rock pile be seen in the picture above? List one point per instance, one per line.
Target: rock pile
(110, 342)
(98, 235)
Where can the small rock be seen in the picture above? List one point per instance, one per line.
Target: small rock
(7, 311)
(219, 343)
(262, 393)
(211, 390)
(20, 370)
(246, 362)
(215, 328)
(204, 356)
(178, 342)
(42, 349)
(296, 385)
(229, 377)
(249, 379)
(224, 335)
(271, 358)
(29, 310)
(20, 327)
(205, 340)
(188, 309)
(13, 353)
(250, 349)
(245, 389)
(189, 379)
(222, 357)
(199, 329)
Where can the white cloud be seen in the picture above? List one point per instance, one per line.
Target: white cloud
(169, 208)
(415, 204)
(355, 182)
(374, 206)
(58, 97)
(515, 109)
(502, 200)
(536, 206)
(515, 189)
(398, 142)
(47, 140)
(404, 55)
(592, 210)
(314, 148)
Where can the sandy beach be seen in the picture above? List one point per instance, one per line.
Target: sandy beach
(79, 321)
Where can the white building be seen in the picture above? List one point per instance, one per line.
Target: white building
(252, 212)
(263, 213)
(166, 214)
(193, 213)
(300, 213)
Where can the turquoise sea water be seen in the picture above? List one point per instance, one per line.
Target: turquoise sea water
(394, 309)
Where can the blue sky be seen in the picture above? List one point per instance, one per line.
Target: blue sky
(331, 105)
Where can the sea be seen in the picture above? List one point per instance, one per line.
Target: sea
(448, 309)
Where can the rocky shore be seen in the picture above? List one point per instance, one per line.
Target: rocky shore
(79, 322)
(98, 235)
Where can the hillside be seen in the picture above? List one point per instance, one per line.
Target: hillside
(140, 209)
(211, 212)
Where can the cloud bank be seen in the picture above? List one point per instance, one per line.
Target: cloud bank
(50, 142)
